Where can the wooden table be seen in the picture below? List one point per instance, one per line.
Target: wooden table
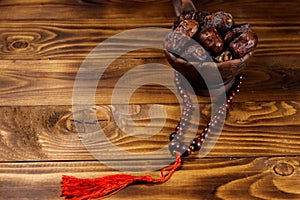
(43, 44)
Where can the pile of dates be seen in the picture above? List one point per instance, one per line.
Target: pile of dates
(219, 37)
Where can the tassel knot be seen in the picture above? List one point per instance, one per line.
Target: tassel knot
(103, 187)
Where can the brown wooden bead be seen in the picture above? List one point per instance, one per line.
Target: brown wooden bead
(179, 137)
(174, 146)
(185, 151)
(172, 136)
(195, 145)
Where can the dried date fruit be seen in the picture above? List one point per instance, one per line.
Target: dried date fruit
(243, 44)
(221, 20)
(177, 22)
(188, 27)
(235, 32)
(195, 53)
(198, 16)
(211, 40)
(175, 41)
(223, 57)
(178, 38)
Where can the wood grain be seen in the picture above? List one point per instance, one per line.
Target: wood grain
(51, 132)
(99, 9)
(42, 46)
(67, 39)
(52, 82)
(217, 178)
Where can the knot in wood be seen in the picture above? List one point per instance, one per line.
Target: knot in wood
(20, 44)
(284, 169)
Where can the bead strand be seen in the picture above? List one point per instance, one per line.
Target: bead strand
(176, 138)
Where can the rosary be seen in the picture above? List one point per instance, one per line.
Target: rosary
(219, 39)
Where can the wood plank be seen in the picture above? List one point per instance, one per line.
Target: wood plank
(49, 132)
(44, 9)
(217, 178)
(74, 40)
(51, 82)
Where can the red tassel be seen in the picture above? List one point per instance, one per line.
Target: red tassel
(92, 188)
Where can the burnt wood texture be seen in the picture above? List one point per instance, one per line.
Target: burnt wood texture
(42, 46)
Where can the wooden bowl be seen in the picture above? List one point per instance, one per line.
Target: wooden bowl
(219, 77)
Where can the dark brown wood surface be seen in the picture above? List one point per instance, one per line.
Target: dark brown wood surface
(42, 46)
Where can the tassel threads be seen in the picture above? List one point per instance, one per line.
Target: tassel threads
(104, 187)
